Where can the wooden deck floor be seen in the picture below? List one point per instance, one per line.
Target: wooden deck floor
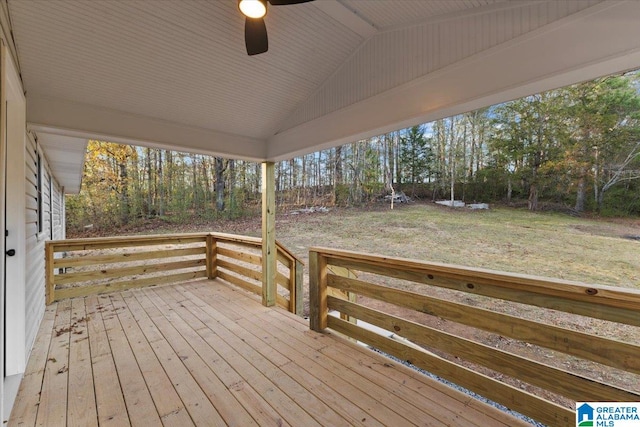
(205, 353)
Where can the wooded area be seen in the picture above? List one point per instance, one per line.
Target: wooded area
(575, 149)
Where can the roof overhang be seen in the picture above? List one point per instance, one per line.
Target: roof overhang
(336, 72)
(601, 40)
(65, 156)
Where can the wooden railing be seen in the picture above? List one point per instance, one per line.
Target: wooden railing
(443, 291)
(81, 267)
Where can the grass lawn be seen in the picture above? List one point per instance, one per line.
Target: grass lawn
(505, 239)
(593, 251)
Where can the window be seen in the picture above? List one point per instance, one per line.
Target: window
(39, 194)
(50, 208)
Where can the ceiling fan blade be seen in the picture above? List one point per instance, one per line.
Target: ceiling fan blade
(255, 36)
(287, 2)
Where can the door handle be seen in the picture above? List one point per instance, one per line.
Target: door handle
(11, 252)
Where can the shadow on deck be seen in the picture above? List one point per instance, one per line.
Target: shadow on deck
(206, 353)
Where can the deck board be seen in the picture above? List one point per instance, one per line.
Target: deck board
(167, 401)
(25, 410)
(421, 389)
(255, 370)
(207, 353)
(192, 376)
(112, 410)
(284, 374)
(137, 396)
(329, 381)
(52, 408)
(81, 410)
(369, 381)
(225, 376)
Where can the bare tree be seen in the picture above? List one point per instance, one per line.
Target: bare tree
(620, 173)
(220, 167)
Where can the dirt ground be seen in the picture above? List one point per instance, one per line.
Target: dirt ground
(588, 250)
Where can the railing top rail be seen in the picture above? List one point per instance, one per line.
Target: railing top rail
(597, 294)
(287, 253)
(115, 239)
(256, 241)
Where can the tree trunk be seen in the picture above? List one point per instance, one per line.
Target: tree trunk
(194, 184)
(206, 184)
(338, 175)
(387, 160)
(453, 183)
(169, 173)
(305, 180)
(600, 200)
(124, 192)
(161, 189)
(452, 165)
(464, 162)
(581, 191)
(278, 171)
(396, 159)
(442, 159)
(472, 154)
(150, 210)
(219, 171)
(232, 184)
(533, 197)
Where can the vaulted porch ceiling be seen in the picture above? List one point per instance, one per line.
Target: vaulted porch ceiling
(175, 74)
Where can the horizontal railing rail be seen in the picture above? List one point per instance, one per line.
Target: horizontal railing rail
(408, 286)
(80, 267)
(239, 261)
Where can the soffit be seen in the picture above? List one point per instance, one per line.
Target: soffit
(65, 156)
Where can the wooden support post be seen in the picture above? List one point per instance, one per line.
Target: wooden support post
(49, 273)
(212, 257)
(269, 249)
(298, 301)
(318, 311)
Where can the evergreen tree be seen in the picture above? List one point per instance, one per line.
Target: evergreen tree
(415, 156)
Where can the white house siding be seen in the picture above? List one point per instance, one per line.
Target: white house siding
(52, 226)
(57, 211)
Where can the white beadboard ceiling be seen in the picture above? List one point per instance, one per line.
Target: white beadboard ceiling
(174, 74)
(388, 14)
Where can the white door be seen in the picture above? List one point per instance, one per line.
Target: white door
(12, 246)
(3, 277)
(14, 209)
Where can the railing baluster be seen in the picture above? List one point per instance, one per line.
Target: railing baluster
(298, 296)
(291, 265)
(212, 257)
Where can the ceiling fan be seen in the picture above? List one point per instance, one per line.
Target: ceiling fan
(255, 30)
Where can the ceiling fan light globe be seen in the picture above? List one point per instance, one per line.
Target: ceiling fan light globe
(253, 8)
